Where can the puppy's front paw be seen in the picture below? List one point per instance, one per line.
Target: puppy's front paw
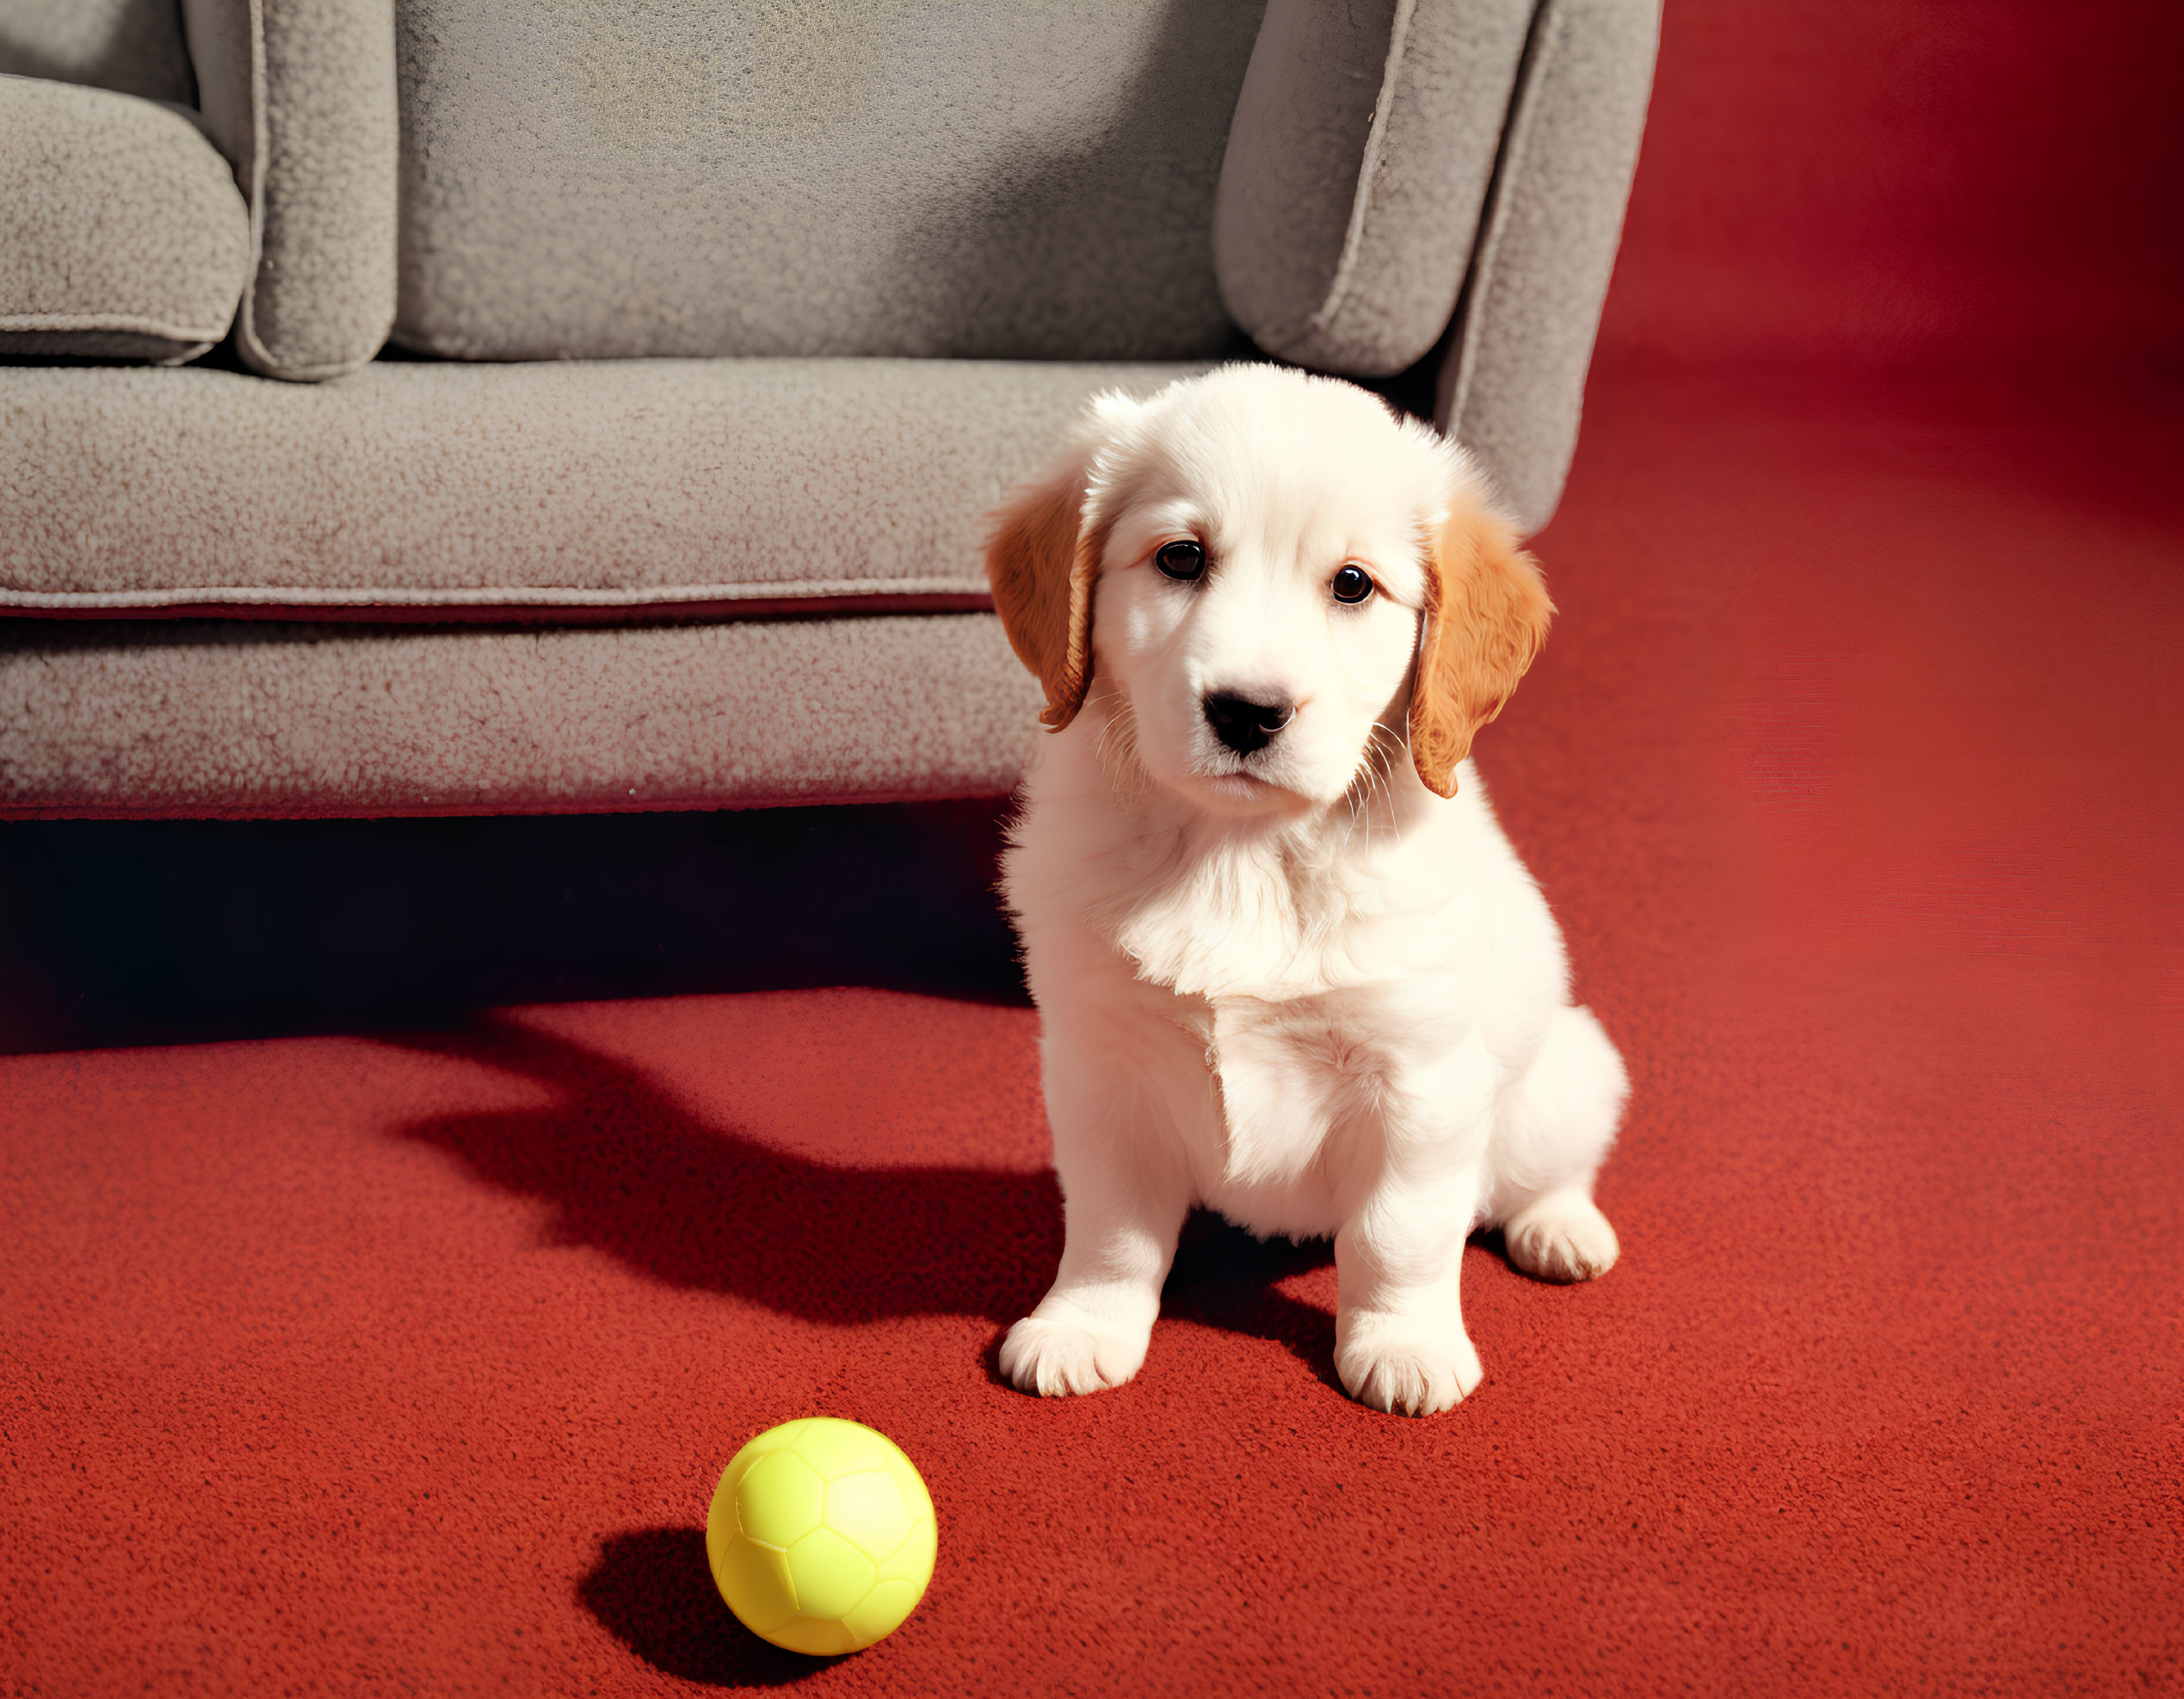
(1057, 1354)
(1564, 1242)
(1404, 1367)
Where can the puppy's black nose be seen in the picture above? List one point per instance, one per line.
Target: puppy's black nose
(1243, 725)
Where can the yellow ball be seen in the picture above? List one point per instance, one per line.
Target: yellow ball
(821, 1535)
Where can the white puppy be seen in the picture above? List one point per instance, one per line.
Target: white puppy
(1287, 963)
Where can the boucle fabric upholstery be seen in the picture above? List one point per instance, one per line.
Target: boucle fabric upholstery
(131, 46)
(808, 177)
(1356, 169)
(122, 234)
(986, 179)
(216, 718)
(556, 486)
(1512, 384)
(300, 96)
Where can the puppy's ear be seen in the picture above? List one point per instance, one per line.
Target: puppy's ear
(1485, 618)
(1041, 557)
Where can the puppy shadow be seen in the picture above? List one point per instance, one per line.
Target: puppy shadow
(653, 1589)
(693, 1204)
(703, 1206)
(1224, 1277)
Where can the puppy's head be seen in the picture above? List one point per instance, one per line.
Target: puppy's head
(1275, 577)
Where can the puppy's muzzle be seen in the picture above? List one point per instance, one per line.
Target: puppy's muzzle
(1243, 725)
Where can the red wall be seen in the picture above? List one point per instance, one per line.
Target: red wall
(1910, 183)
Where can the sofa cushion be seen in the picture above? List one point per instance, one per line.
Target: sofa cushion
(563, 490)
(299, 95)
(131, 46)
(1356, 170)
(121, 233)
(982, 179)
(195, 717)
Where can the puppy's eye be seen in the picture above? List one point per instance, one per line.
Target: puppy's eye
(1351, 585)
(1182, 559)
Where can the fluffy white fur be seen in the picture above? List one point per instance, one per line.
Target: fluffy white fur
(1295, 985)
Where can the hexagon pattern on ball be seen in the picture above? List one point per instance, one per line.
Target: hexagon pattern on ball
(821, 1535)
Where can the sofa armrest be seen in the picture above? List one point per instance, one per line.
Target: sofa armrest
(121, 235)
(1409, 175)
(1357, 164)
(1512, 385)
(301, 99)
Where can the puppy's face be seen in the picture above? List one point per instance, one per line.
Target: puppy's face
(1259, 588)
(1275, 578)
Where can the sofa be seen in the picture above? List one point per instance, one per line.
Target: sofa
(417, 407)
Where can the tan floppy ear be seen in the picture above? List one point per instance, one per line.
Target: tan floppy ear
(1485, 618)
(1041, 560)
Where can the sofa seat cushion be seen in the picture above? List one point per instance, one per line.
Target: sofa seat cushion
(561, 491)
(122, 234)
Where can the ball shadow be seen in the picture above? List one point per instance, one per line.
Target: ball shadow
(652, 1589)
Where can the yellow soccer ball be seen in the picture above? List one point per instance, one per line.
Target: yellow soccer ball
(821, 1535)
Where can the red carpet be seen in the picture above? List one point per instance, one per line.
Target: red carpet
(1856, 770)
(341, 1365)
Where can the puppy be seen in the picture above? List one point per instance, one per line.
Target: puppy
(1288, 965)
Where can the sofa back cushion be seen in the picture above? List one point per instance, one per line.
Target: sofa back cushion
(984, 178)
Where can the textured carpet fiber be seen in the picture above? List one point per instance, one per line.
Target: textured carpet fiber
(348, 1364)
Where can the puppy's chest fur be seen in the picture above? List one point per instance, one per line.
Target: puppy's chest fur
(1328, 984)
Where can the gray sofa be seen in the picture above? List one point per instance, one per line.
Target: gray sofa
(418, 407)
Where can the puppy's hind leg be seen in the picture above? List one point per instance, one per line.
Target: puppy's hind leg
(1124, 1194)
(1554, 1129)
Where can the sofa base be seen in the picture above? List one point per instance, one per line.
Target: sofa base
(247, 720)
